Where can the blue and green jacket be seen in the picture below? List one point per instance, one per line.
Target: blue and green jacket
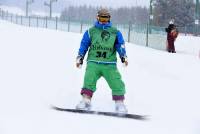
(86, 43)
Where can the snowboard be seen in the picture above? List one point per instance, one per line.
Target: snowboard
(112, 114)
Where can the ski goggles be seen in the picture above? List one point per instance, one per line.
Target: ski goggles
(104, 18)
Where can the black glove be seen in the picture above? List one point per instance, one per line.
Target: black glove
(124, 60)
(79, 61)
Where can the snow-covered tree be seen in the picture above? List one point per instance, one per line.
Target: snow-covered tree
(180, 10)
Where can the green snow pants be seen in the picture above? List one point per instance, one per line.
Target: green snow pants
(111, 74)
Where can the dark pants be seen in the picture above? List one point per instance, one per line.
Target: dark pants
(170, 44)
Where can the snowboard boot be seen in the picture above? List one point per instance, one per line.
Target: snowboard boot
(120, 107)
(84, 104)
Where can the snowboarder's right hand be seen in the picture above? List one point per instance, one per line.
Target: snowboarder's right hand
(79, 61)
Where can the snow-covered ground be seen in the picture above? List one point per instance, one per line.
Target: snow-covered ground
(37, 69)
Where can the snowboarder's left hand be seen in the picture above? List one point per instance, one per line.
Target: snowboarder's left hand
(124, 60)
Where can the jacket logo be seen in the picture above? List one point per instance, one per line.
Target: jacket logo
(105, 36)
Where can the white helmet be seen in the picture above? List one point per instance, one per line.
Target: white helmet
(171, 21)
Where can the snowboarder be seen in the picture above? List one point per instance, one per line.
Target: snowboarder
(172, 33)
(103, 41)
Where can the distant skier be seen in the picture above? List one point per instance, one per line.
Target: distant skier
(172, 33)
(103, 41)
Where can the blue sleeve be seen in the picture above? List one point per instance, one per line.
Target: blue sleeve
(85, 43)
(120, 45)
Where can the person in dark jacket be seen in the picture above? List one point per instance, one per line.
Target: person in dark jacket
(172, 33)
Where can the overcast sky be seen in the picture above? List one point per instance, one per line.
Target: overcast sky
(111, 3)
(61, 4)
(108, 3)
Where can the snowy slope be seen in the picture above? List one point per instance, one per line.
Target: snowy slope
(37, 69)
